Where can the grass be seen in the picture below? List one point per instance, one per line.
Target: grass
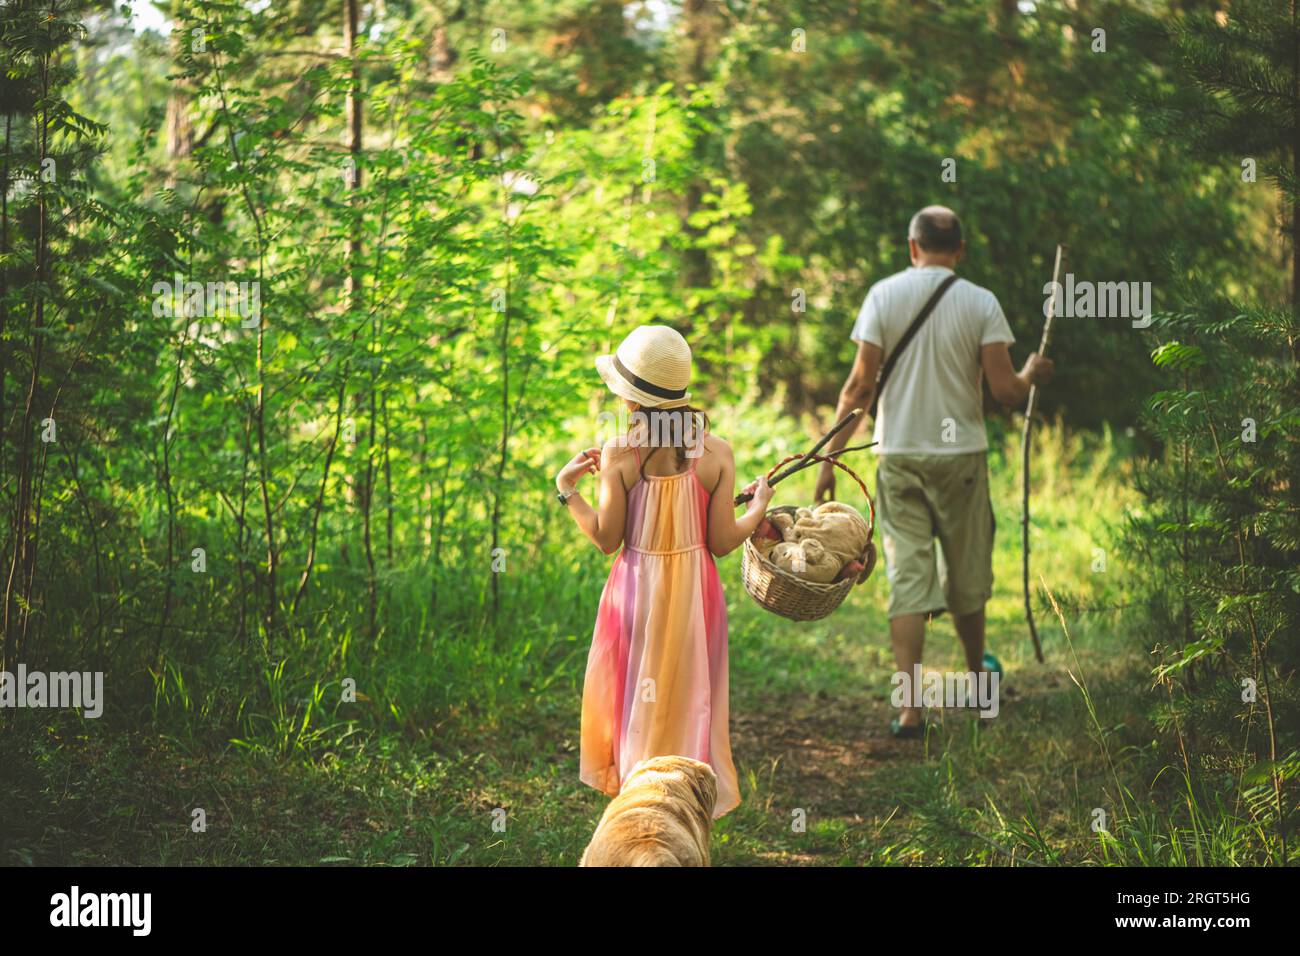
(461, 746)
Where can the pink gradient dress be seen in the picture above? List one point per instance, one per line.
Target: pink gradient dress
(656, 682)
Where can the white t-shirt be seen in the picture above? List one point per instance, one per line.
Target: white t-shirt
(932, 403)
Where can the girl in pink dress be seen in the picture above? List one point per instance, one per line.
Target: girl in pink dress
(656, 682)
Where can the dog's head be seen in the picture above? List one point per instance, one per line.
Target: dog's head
(682, 776)
(661, 817)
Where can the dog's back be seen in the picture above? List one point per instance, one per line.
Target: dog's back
(662, 817)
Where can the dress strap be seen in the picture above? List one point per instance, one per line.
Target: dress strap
(637, 448)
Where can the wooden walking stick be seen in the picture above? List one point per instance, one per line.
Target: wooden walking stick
(1029, 424)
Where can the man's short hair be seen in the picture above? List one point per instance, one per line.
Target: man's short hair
(936, 229)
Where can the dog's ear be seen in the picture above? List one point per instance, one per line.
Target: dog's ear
(704, 783)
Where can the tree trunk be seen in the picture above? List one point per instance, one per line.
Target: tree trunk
(17, 607)
(353, 292)
(180, 129)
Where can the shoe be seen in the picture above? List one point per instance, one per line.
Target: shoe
(912, 732)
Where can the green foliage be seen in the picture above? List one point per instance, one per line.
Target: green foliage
(1231, 90)
(1221, 533)
(1221, 527)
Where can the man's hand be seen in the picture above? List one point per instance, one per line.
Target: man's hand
(1007, 385)
(1037, 370)
(825, 484)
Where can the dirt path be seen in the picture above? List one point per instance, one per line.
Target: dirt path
(823, 752)
(833, 755)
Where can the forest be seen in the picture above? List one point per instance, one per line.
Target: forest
(299, 302)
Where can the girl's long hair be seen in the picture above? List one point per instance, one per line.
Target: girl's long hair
(681, 429)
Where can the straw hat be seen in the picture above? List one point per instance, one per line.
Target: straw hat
(651, 367)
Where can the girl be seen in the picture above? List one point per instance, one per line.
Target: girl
(656, 681)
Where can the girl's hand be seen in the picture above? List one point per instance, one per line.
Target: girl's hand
(761, 491)
(583, 463)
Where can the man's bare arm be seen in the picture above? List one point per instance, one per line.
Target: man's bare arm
(1007, 385)
(858, 391)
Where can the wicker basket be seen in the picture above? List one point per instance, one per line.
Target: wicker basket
(789, 595)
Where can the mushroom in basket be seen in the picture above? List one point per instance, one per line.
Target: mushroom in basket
(821, 544)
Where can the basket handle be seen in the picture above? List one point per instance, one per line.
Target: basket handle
(871, 505)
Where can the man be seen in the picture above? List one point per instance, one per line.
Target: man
(932, 479)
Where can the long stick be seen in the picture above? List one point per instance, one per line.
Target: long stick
(808, 461)
(850, 417)
(1024, 441)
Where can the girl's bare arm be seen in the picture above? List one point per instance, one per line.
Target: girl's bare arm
(604, 523)
(726, 531)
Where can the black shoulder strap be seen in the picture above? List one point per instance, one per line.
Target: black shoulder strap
(907, 337)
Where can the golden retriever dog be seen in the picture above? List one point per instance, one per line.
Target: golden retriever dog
(662, 817)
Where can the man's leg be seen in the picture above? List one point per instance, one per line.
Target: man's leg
(970, 629)
(966, 526)
(907, 634)
(907, 535)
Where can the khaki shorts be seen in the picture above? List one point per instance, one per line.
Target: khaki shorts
(923, 497)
